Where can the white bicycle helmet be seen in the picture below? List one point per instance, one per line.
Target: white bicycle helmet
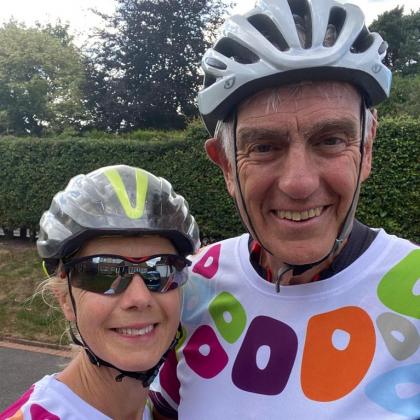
(286, 41)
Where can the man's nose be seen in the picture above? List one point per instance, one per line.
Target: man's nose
(137, 295)
(299, 172)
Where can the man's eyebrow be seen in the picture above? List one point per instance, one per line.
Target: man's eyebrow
(248, 134)
(345, 125)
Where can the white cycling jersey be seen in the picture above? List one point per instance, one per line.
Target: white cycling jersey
(347, 347)
(50, 399)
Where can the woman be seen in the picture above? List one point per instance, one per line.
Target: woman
(116, 241)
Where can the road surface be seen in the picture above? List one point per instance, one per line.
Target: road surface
(22, 365)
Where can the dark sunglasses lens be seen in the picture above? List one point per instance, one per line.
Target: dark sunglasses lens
(112, 275)
(93, 283)
(164, 273)
(97, 274)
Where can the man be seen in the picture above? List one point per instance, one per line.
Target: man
(311, 315)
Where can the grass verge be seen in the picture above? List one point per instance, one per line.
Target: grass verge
(23, 315)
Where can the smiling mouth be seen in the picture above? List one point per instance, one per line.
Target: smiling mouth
(135, 331)
(298, 216)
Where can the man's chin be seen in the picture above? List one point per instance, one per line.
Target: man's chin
(300, 255)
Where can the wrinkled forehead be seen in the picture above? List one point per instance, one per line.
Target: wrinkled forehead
(295, 97)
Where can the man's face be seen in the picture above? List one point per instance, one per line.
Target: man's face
(298, 161)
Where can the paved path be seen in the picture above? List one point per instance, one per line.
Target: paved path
(22, 365)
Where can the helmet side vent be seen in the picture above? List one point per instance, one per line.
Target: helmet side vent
(302, 16)
(208, 80)
(235, 51)
(383, 48)
(335, 25)
(363, 42)
(68, 221)
(268, 29)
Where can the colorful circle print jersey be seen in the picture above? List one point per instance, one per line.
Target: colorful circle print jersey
(344, 348)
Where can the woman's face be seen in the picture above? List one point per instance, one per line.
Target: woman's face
(133, 329)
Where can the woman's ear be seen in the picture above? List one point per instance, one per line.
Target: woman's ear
(63, 298)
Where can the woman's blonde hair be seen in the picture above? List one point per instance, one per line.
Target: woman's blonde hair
(51, 290)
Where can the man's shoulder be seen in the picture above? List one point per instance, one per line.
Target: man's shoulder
(388, 250)
(397, 240)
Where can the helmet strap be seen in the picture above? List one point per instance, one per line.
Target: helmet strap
(240, 203)
(145, 377)
(345, 227)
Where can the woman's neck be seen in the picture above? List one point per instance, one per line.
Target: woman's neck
(97, 386)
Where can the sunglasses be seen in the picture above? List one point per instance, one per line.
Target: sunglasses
(111, 274)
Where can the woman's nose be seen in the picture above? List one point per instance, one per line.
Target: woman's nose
(137, 294)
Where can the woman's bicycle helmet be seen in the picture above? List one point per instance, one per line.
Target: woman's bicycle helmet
(115, 200)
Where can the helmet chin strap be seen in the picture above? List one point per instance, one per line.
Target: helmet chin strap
(345, 227)
(145, 377)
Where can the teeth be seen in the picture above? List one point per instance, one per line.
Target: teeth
(135, 331)
(297, 216)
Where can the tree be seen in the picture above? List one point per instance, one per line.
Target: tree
(41, 75)
(402, 32)
(146, 69)
(404, 98)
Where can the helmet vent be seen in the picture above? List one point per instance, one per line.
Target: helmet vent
(235, 51)
(301, 14)
(335, 25)
(382, 49)
(363, 42)
(268, 29)
(209, 80)
(217, 64)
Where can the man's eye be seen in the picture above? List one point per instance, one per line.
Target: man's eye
(331, 142)
(261, 148)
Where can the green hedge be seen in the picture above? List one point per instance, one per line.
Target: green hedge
(33, 170)
(391, 196)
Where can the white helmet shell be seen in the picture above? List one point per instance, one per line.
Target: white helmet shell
(287, 41)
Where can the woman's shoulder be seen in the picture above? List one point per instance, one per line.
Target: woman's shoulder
(50, 398)
(28, 402)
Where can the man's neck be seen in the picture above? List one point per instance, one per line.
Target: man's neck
(269, 268)
(280, 270)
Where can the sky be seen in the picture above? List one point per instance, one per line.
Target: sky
(77, 12)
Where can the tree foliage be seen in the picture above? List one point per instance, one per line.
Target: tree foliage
(404, 98)
(41, 75)
(145, 71)
(402, 32)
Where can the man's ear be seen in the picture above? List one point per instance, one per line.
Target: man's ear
(370, 137)
(217, 155)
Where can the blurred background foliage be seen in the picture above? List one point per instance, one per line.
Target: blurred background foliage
(130, 99)
(141, 70)
(37, 168)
